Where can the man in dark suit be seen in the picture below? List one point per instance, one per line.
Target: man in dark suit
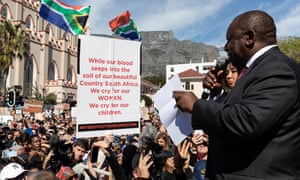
(255, 131)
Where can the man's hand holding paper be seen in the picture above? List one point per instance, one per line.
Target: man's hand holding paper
(177, 123)
(185, 100)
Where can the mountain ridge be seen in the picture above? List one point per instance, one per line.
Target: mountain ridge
(160, 48)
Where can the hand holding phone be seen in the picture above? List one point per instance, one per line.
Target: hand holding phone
(94, 154)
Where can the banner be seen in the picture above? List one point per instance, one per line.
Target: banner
(33, 106)
(108, 98)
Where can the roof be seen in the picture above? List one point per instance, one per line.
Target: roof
(146, 83)
(190, 73)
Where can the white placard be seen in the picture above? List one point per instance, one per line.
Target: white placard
(108, 86)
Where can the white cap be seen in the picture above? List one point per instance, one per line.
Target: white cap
(11, 170)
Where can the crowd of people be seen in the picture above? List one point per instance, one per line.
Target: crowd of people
(49, 149)
(247, 129)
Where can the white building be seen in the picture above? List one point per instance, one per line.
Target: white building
(201, 68)
(191, 80)
(191, 75)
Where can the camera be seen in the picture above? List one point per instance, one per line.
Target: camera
(158, 155)
(61, 151)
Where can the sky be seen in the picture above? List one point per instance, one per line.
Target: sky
(204, 21)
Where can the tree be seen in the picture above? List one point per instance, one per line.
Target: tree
(50, 99)
(147, 99)
(157, 80)
(290, 46)
(42, 94)
(14, 43)
(39, 93)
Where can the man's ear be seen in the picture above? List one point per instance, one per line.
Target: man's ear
(250, 38)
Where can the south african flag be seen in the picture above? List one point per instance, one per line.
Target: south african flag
(69, 18)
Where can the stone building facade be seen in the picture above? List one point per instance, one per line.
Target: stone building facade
(52, 63)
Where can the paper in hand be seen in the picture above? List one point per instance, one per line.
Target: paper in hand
(177, 123)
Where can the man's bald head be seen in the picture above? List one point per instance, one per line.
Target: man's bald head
(248, 33)
(259, 22)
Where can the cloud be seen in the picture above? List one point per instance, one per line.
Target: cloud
(174, 14)
(290, 23)
(197, 20)
(186, 19)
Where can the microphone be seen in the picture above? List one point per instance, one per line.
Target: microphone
(206, 92)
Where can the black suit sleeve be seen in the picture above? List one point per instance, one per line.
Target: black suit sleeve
(258, 104)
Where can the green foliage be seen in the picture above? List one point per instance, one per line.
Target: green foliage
(157, 80)
(50, 99)
(14, 43)
(147, 99)
(38, 92)
(43, 95)
(290, 46)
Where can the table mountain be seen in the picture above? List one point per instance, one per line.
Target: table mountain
(160, 48)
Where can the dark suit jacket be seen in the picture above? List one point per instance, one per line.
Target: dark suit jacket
(255, 132)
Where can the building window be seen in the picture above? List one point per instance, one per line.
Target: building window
(172, 69)
(187, 85)
(4, 12)
(197, 68)
(192, 87)
(66, 36)
(51, 72)
(28, 77)
(28, 22)
(206, 68)
(48, 29)
(69, 74)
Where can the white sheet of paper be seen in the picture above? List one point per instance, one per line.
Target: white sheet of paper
(177, 123)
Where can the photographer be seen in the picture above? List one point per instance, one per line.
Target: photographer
(58, 154)
(111, 158)
(92, 169)
(163, 162)
(199, 155)
(168, 171)
(64, 153)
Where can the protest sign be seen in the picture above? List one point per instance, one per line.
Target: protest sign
(108, 86)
